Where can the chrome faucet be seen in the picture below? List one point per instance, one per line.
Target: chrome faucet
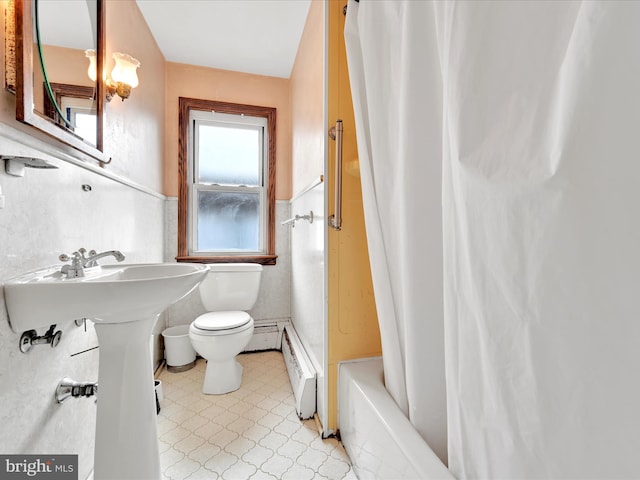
(92, 261)
(79, 262)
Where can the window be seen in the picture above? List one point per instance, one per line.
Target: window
(226, 205)
(84, 121)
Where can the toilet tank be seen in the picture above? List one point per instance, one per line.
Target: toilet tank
(230, 286)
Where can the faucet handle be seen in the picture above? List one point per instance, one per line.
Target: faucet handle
(75, 257)
(80, 253)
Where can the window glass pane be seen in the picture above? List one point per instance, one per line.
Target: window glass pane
(85, 124)
(228, 221)
(229, 155)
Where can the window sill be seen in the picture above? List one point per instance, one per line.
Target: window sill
(261, 259)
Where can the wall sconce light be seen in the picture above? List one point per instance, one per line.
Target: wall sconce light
(92, 70)
(123, 76)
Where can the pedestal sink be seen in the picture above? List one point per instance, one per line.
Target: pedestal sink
(124, 301)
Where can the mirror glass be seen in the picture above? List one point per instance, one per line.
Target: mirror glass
(66, 36)
(60, 47)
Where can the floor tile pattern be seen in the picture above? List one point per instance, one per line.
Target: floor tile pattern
(250, 434)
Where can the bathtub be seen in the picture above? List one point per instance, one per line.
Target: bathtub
(378, 437)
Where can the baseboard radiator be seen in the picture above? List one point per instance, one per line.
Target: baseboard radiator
(267, 335)
(301, 373)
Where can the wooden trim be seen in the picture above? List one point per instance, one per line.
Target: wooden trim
(261, 259)
(10, 47)
(24, 57)
(183, 187)
(185, 106)
(101, 55)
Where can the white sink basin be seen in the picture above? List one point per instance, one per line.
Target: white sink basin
(124, 301)
(107, 294)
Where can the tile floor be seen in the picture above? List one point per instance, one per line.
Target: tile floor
(252, 433)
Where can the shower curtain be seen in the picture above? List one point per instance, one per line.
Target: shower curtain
(499, 147)
(402, 199)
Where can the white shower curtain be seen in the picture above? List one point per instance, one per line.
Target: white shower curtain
(398, 108)
(500, 155)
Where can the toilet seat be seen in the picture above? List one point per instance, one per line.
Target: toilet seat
(222, 323)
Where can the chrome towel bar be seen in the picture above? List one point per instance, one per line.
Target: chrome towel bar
(293, 220)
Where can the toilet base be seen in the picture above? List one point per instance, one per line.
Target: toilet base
(222, 377)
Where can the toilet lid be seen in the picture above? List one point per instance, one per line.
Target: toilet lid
(221, 320)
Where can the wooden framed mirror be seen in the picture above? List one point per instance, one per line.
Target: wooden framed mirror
(53, 87)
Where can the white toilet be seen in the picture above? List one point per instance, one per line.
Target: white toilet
(227, 292)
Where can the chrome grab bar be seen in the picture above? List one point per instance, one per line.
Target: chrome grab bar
(335, 220)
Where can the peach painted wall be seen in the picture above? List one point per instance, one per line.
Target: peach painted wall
(64, 65)
(307, 102)
(227, 86)
(134, 129)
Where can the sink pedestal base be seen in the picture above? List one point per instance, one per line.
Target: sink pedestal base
(126, 432)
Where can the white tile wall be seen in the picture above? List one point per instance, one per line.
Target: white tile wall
(307, 281)
(171, 230)
(47, 213)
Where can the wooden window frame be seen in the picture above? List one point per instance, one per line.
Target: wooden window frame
(185, 106)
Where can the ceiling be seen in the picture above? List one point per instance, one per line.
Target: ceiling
(252, 36)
